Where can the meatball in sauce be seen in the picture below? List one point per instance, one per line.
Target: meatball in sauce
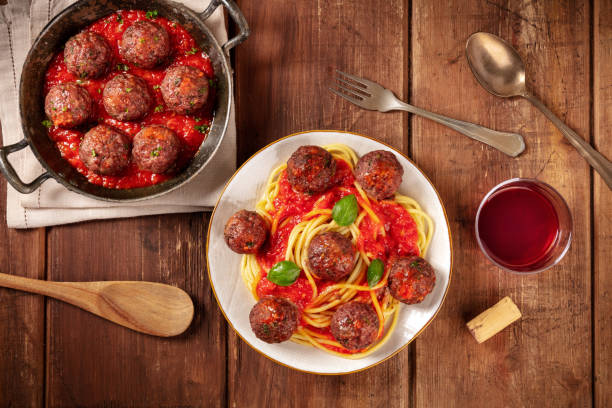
(274, 319)
(331, 256)
(104, 150)
(245, 232)
(355, 325)
(87, 55)
(184, 89)
(126, 97)
(145, 44)
(68, 105)
(379, 174)
(411, 279)
(311, 169)
(156, 148)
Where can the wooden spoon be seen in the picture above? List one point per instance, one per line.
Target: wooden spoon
(147, 307)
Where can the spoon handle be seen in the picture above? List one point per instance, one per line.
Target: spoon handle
(511, 144)
(602, 165)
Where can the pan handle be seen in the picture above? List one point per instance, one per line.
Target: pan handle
(9, 172)
(236, 15)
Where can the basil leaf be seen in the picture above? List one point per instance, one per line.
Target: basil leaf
(375, 272)
(284, 273)
(345, 210)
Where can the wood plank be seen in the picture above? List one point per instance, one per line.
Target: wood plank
(22, 317)
(547, 354)
(92, 362)
(282, 75)
(602, 204)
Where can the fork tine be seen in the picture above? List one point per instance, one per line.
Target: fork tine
(353, 87)
(360, 81)
(352, 92)
(349, 98)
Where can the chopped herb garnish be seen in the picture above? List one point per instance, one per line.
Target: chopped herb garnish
(53, 108)
(122, 67)
(211, 83)
(83, 75)
(156, 87)
(79, 81)
(173, 25)
(201, 128)
(192, 51)
(128, 90)
(142, 40)
(126, 110)
(191, 103)
(156, 151)
(177, 81)
(201, 91)
(151, 14)
(198, 119)
(47, 123)
(64, 109)
(119, 19)
(159, 108)
(156, 38)
(93, 153)
(99, 90)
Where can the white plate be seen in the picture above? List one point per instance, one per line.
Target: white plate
(244, 189)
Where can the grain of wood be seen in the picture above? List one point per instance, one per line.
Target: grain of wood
(548, 352)
(22, 341)
(602, 204)
(282, 75)
(116, 366)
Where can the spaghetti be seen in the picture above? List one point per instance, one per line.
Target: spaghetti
(382, 230)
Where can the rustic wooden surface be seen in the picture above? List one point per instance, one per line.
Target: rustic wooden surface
(559, 354)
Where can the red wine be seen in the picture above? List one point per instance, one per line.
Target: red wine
(518, 226)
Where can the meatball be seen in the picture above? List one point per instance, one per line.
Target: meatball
(68, 105)
(411, 279)
(274, 319)
(156, 148)
(145, 44)
(331, 256)
(126, 97)
(245, 232)
(379, 174)
(87, 55)
(355, 325)
(311, 169)
(184, 89)
(104, 150)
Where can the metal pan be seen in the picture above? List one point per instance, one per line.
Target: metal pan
(31, 100)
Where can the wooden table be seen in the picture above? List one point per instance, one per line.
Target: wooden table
(559, 354)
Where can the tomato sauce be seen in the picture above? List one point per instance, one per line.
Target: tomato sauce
(191, 129)
(400, 238)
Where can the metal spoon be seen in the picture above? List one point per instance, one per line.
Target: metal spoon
(500, 70)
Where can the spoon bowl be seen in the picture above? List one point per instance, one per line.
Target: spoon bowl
(496, 65)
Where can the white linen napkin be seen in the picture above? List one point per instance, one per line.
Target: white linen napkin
(53, 204)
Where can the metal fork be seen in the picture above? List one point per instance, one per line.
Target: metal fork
(370, 95)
